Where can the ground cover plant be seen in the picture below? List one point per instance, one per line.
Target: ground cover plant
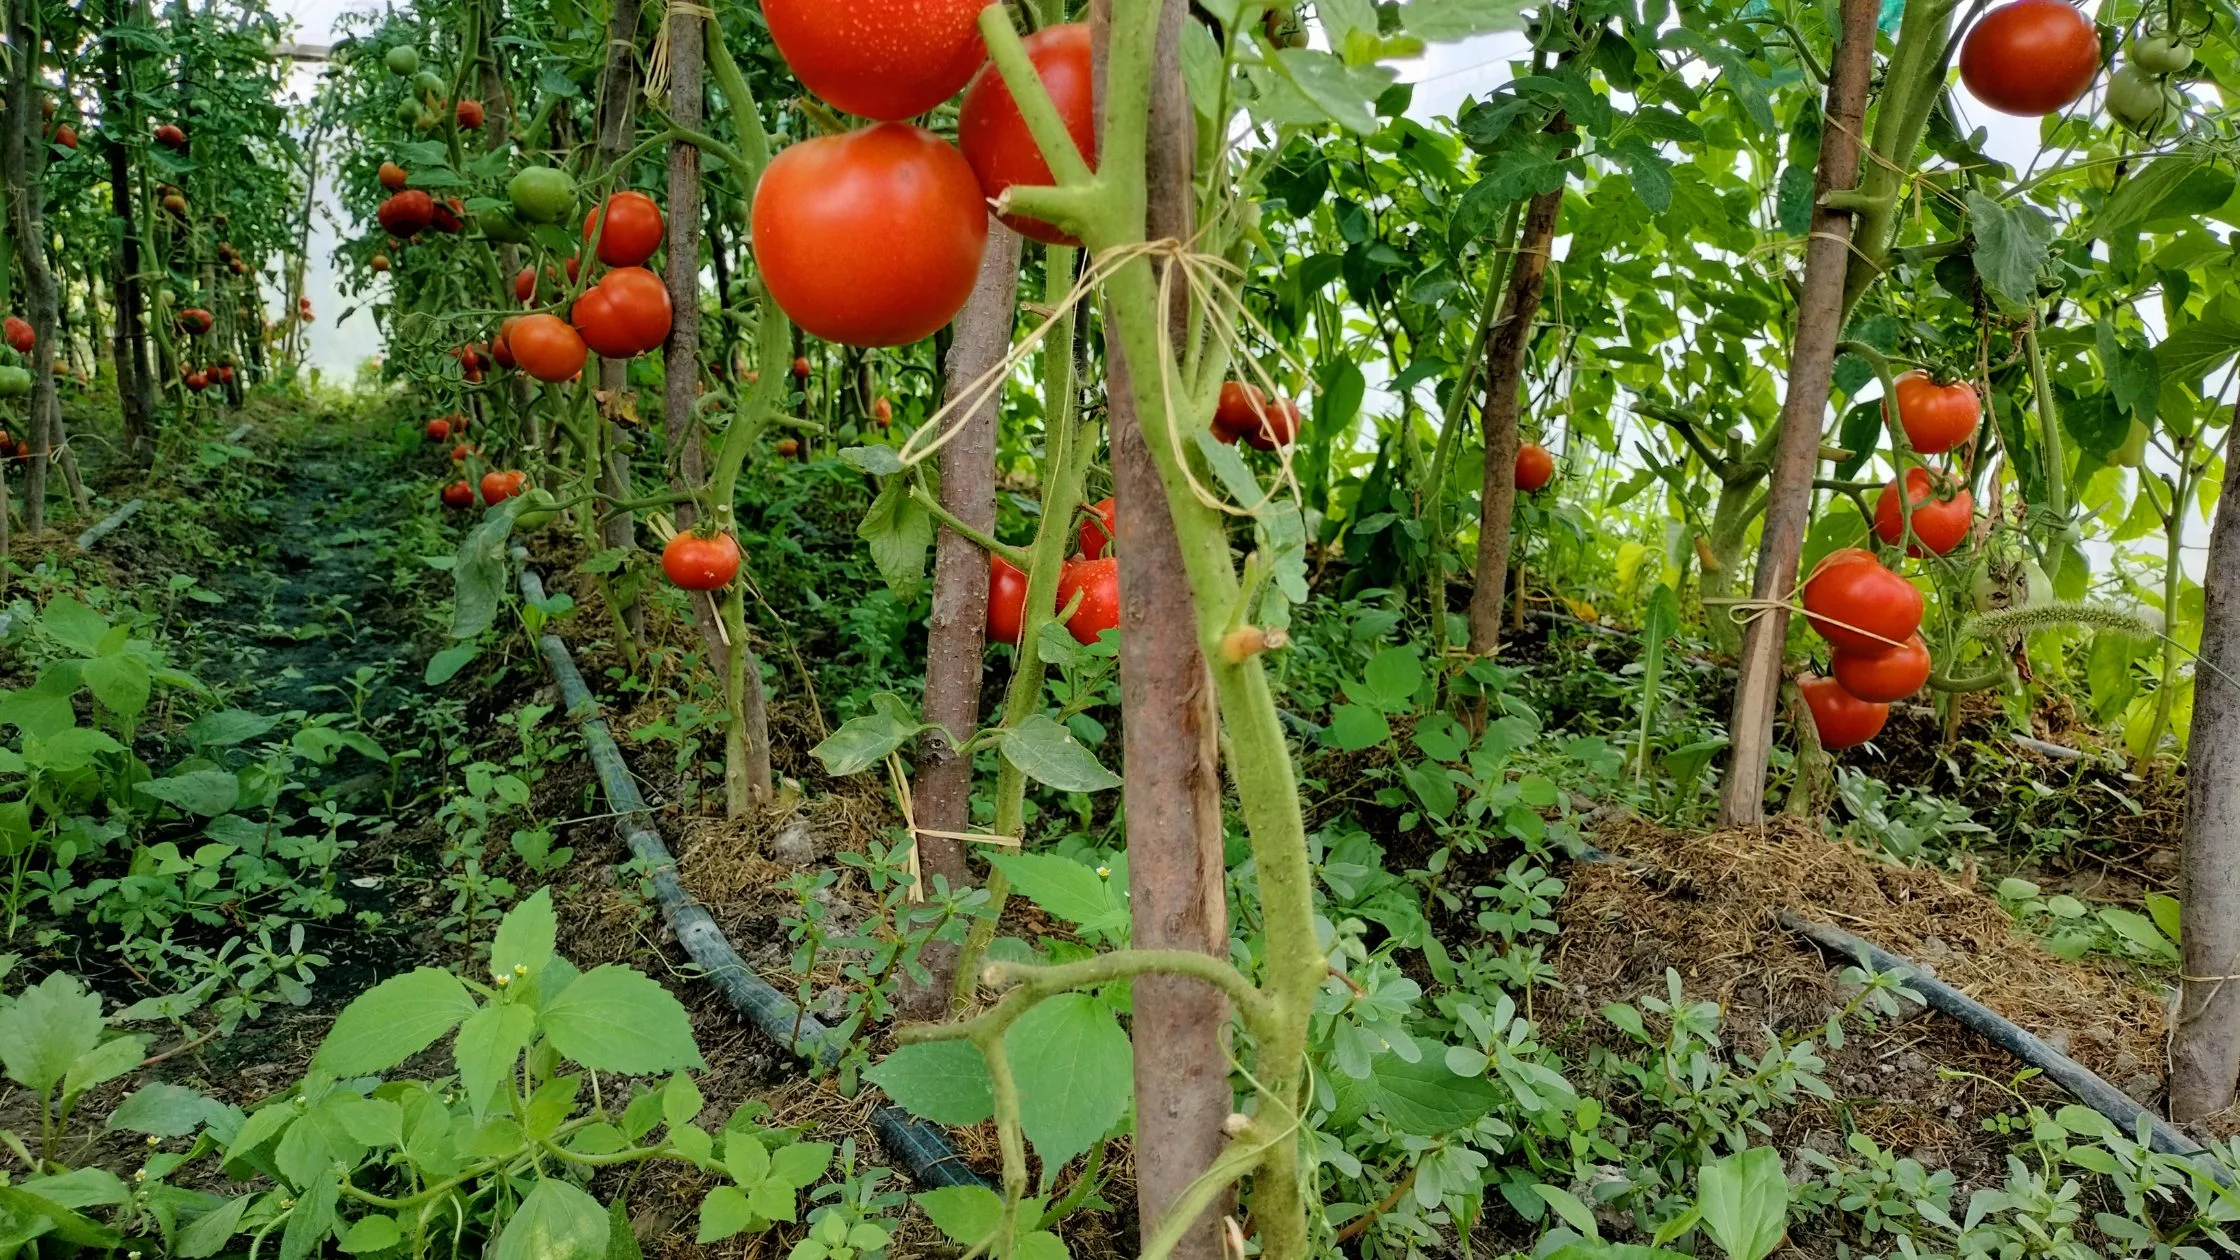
(1120, 628)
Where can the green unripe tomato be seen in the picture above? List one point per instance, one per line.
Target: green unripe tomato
(538, 509)
(14, 382)
(2101, 162)
(2138, 100)
(403, 61)
(2041, 586)
(503, 228)
(542, 194)
(408, 113)
(2159, 54)
(429, 83)
(2133, 452)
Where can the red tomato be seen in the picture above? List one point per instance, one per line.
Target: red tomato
(1877, 608)
(469, 115)
(1099, 584)
(1886, 676)
(2031, 57)
(1246, 413)
(497, 486)
(882, 413)
(633, 229)
(788, 448)
(1099, 531)
(1279, 428)
(699, 562)
(1007, 601)
(1843, 720)
(547, 348)
(501, 350)
(525, 285)
(640, 300)
(20, 336)
(1937, 417)
(448, 215)
(197, 381)
(171, 136)
(1535, 468)
(66, 136)
(995, 138)
(883, 59)
(439, 430)
(407, 214)
(872, 238)
(801, 369)
(458, 495)
(393, 176)
(194, 321)
(460, 453)
(379, 262)
(1938, 524)
(224, 375)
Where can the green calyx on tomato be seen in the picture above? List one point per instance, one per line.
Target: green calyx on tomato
(403, 61)
(2159, 54)
(542, 194)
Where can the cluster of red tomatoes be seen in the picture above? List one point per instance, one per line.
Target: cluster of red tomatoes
(17, 449)
(1937, 418)
(1093, 577)
(1872, 618)
(199, 379)
(626, 313)
(922, 201)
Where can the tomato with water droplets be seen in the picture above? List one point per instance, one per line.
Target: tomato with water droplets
(1007, 601)
(1098, 582)
(872, 238)
(995, 138)
(883, 59)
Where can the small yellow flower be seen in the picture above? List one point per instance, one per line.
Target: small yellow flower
(1104, 872)
(521, 969)
(140, 1175)
(503, 981)
(153, 1140)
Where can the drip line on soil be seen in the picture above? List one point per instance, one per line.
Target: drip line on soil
(2078, 1080)
(108, 525)
(920, 1147)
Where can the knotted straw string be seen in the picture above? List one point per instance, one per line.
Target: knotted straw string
(1750, 610)
(903, 800)
(657, 62)
(1207, 287)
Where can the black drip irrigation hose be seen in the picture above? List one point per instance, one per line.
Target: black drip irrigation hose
(2087, 1088)
(921, 1148)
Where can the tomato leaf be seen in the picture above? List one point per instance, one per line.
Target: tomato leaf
(900, 533)
(2011, 248)
(865, 740)
(1045, 751)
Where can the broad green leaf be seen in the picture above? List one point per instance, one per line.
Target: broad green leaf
(490, 1042)
(1354, 727)
(863, 742)
(555, 1222)
(445, 665)
(73, 625)
(204, 793)
(879, 461)
(50, 1027)
(68, 750)
(2198, 349)
(724, 1213)
(2012, 242)
(525, 937)
(105, 1062)
(120, 682)
(1745, 1202)
(65, 1224)
(479, 576)
(229, 727)
(370, 1234)
(614, 1019)
(1066, 888)
(1342, 93)
(163, 1110)
(1390, 681)
(393, 1021)
(81, 1188)
(1443, 21)
(1426, 1097)
(207, 1233)
(1075, 1074)
(1567, 1205)
(311, 1221)
(942, 1081)
(1045, 751)
(900, 533)
(967, 1214)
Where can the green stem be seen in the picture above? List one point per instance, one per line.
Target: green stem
(2054, 458)
(1019, 558)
